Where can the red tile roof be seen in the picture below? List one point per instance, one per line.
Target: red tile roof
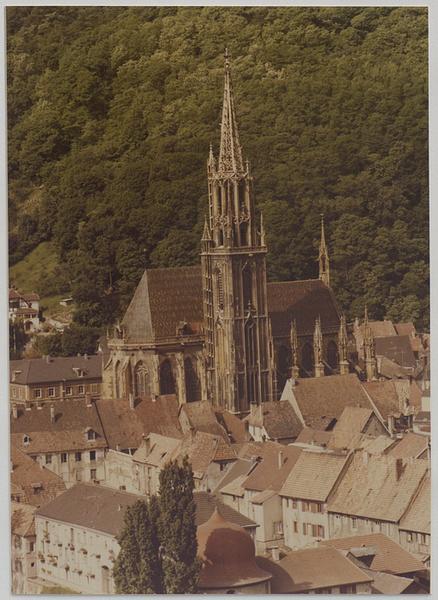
(390, 557)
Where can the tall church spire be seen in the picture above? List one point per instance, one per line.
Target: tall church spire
(323, 258)
(230, 153)
(294, 350)
(369, 349)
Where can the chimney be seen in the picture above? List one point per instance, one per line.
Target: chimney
(275, 553)
(399, 468)
(131, 401)
(14, 411)
(280, 459)
(52, 413)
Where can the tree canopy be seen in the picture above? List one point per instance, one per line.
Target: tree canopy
(111, 111)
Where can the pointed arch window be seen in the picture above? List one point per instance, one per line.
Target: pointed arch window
(141, 380)
(167, 381)
(220, 289)
(247, 285)
(193, 387)
(117, 386)
(307, 360)
(332, 355)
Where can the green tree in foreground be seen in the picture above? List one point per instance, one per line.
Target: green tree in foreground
(177, 529)
(137, 569)
(17, 339)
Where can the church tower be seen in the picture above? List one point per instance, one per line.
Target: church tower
(323, 258)
(238, 342)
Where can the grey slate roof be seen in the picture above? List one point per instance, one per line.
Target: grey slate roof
(397, 348)
(51, 369)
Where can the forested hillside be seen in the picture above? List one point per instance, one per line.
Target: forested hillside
(111, 112)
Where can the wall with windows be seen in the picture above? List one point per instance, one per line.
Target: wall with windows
(414, 541)
(304, 522)
(46, 392)
(348, 525)
(75, 557)
(23, 562)
(75, 465)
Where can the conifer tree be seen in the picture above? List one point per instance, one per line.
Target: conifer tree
(137, 568)
(177, 529)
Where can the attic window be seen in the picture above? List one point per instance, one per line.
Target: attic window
(91, 435)
(78, 371)
(26, 439)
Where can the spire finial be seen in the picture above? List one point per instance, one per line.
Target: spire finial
(230, 153)
(323, 258)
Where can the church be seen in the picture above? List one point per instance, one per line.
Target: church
(219, 331)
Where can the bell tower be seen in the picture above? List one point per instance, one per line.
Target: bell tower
(238, 342)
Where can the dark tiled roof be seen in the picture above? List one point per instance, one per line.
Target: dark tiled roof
(164, 299)
(205, 505)
(389, 558)
(51, 369)
(397, 348)
(92, 506)
(303, 301)
(22, 519)
(322, 399)
(33, 483)
(125, 427)
(418, 515)
(384, 395)
(268, 474)
(278, 418)
(312, 569)
(410, 446)
(68, 431)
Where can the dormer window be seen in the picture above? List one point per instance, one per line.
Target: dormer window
(26, 439)
(79, 372)
(91, 435)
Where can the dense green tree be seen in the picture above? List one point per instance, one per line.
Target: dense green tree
(177, 529)
(137, 569)
(111, 111)
(17, 339)
(76, 339)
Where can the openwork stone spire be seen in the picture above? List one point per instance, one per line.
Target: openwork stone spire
(230, 153)
(295, 371)
(317, 348)
(369, 349)
(323, 258)
(343, 347)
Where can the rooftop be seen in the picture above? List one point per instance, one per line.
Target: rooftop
(390, 557)
(50, 369)
(418, 515)
(278, 419)
(22, 519)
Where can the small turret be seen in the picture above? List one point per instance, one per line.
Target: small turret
(317, 349)
(343, 347)
(295, 371)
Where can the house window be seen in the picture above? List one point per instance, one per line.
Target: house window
(315, 531)
(294, 504)
(37, 393)
(91, 435)
(304, 529)
(26, 440)
(304, 506)
(63, 457)
(295, 526)
(278, 527)
(423, 538)
(320, 531)
(92, 455)
(78, 475)
(409, 537)
(68, 390)
(80, 389)
(48, 459)
(14, 392)
(31, 546)
(78, 456)
(354, 523)
(51, 392)
(347, 589)
(93, 473)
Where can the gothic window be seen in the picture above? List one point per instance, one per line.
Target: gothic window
(332, 355)
(167, 382)
(283, 365)
(307, 360)
(141, 380)
(220, 289)
(193, 388)
(117, 379)
(247, 286)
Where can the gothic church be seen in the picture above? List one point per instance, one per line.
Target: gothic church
(219, 331)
